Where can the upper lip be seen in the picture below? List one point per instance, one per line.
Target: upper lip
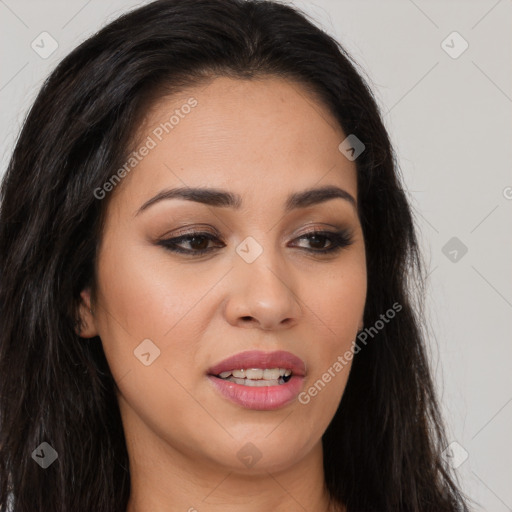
(263, 360)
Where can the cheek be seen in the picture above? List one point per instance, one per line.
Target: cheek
(145, 295)
(144, 290)
(336, 300)
(338, 305)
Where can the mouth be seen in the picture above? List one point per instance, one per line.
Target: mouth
(259, 380)
(257, 377)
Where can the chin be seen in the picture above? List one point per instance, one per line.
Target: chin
(262, 451)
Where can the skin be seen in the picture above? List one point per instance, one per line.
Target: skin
(262, 139)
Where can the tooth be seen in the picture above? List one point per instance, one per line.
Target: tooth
(256, 383)
(254, 373)
(271, 373)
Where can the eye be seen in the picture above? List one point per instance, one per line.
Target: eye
(198, 242)
(338, 240)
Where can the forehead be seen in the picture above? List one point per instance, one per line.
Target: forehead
(259, 138)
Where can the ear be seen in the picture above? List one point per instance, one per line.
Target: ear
(88, 327)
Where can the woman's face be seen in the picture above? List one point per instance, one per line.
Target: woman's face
(167, 319)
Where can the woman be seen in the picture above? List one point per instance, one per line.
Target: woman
(207, 261)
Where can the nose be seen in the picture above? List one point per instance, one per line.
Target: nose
(262, 295)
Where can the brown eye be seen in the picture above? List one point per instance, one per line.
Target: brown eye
(317, 239)
(198, 243)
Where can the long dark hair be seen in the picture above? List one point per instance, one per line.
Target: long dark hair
(382, 451)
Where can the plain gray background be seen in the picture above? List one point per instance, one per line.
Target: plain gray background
(449, 117)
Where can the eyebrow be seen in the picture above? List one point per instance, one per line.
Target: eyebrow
(225, 199)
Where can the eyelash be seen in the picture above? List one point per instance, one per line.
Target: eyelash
(339, 240)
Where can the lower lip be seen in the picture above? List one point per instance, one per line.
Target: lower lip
(264, 398)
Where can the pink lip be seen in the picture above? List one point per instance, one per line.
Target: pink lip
(260, 398)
